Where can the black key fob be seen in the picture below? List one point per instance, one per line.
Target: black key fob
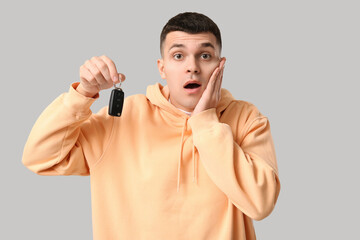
(116, 102)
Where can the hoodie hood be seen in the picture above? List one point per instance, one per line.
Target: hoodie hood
(158, 95)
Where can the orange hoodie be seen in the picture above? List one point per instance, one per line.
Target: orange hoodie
(157, 173)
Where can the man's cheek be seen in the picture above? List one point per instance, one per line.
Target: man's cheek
(204, 86)
(207, 79)
(211, 72)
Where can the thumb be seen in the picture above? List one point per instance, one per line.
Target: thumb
(121, 77)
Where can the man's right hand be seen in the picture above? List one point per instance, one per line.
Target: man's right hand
(97, 74)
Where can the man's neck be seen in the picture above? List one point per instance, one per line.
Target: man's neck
(188, 113)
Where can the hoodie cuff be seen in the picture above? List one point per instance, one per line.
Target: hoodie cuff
(78, 102)
(204, 120)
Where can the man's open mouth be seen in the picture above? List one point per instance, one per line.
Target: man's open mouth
(192, 85)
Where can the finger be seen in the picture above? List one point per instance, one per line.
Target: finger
(85, 74)
(217, 83)
(214, 75)
(219, 76)
(97, 77)
(222, 63)
(211, 84)
(218, 79)
(220, 82)
(122, 77)
(104, 75)
(91, 80)
(112, 69)
(87, 79)
(222, 75)
(103, 67)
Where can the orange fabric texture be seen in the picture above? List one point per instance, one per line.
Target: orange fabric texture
(157, 173)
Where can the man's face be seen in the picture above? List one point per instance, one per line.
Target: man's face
(187, 64)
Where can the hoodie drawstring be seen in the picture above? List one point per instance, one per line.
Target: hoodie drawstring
(180, 157)
(194, 161)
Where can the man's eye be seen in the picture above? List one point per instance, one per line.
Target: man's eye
(178, 56)
(205, 56)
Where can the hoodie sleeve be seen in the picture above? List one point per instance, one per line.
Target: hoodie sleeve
(245, 171)
(67, 138)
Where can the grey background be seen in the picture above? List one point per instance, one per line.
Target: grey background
(297, 61)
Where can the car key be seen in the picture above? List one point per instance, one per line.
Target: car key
(116, 101)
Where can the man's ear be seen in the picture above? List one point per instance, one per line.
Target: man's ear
(160, 63)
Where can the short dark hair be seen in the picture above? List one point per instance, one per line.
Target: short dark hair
(190, 22)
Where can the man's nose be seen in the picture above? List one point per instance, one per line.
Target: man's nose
(192, 66)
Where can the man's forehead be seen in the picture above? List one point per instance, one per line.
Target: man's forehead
(178, 38)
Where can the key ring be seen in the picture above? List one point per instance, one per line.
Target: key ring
(116, 86)
(119, 86)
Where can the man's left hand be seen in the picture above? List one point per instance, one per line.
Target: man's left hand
(212, 94)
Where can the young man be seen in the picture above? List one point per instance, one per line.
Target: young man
(186, 161)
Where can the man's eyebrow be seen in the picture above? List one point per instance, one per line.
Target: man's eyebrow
(205, 44)
(176, 45)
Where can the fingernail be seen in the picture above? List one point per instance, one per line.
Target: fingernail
(115, 78)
